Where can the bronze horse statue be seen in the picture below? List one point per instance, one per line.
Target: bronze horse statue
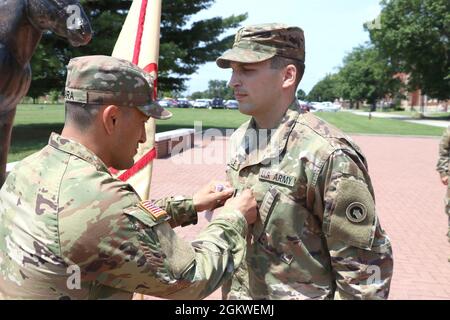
(22, 23)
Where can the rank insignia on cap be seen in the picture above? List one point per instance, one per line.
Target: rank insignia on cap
(156, 212)
(356, 212)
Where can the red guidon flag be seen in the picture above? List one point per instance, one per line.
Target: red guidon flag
(138, 42)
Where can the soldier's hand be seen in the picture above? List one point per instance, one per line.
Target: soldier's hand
(212, 196)
(246, 204)
(445, 180)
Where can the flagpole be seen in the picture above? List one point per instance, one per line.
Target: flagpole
(143, 21)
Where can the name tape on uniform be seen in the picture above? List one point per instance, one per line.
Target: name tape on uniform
(277, 177)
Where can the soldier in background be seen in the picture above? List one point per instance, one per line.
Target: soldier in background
(442, 168)
(69, 230)
(317, 235)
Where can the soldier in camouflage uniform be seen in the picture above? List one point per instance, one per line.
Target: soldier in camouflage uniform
(69, 230)
(442, 168)
(317, 235)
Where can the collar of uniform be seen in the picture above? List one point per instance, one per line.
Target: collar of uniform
(295, 106)
(76, 149)
(279, 138)
(251, 155)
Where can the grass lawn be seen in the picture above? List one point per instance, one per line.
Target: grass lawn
(34, 123)
(32, 127)
(214, 118)
(437, 115)
(351, 123)
(402, 113)
(416, 114)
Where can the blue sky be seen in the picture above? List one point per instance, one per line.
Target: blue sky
(332, 28)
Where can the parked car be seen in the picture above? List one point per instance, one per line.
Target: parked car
(330, 107)
(325, 106)
(201, 103)
(183, 103)
(217, 103)
(166, 103)
(304, 106)
(315, 107)
(337, 106)
(232, 104)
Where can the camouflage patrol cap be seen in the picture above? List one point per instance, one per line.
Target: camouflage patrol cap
(257, 43)
(105, 80)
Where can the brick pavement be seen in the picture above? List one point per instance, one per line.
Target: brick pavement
(409, 200)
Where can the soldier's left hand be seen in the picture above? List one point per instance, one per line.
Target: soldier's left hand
(210, 197)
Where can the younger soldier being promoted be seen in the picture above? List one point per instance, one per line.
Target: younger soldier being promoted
(442, 168)
(69, 230)
(317, 235)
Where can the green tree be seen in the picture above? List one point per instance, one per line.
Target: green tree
(367, 76)
(219, 89)
(301, 94)
(326, 89)
(183, 46)
(198, 95)
(414, 36)
(48, 72)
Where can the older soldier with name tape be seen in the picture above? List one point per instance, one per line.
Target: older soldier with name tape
(317, 235)
(70, 230)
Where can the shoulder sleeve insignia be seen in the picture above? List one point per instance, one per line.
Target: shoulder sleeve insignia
(351, 216)
(356, 212)
(155, 212)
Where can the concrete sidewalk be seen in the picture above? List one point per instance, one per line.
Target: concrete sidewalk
(409, 199)
(387, 115)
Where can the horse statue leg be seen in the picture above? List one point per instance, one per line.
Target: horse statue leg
(6, 124)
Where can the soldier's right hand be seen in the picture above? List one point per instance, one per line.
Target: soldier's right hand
(244, 203)
(444, 180)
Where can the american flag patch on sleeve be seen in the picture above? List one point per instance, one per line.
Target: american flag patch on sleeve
(156, 212)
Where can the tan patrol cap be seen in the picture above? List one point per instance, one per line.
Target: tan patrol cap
(257, 43)
(104, 80)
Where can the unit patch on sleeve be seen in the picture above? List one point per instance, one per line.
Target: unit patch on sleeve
(356, 212)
